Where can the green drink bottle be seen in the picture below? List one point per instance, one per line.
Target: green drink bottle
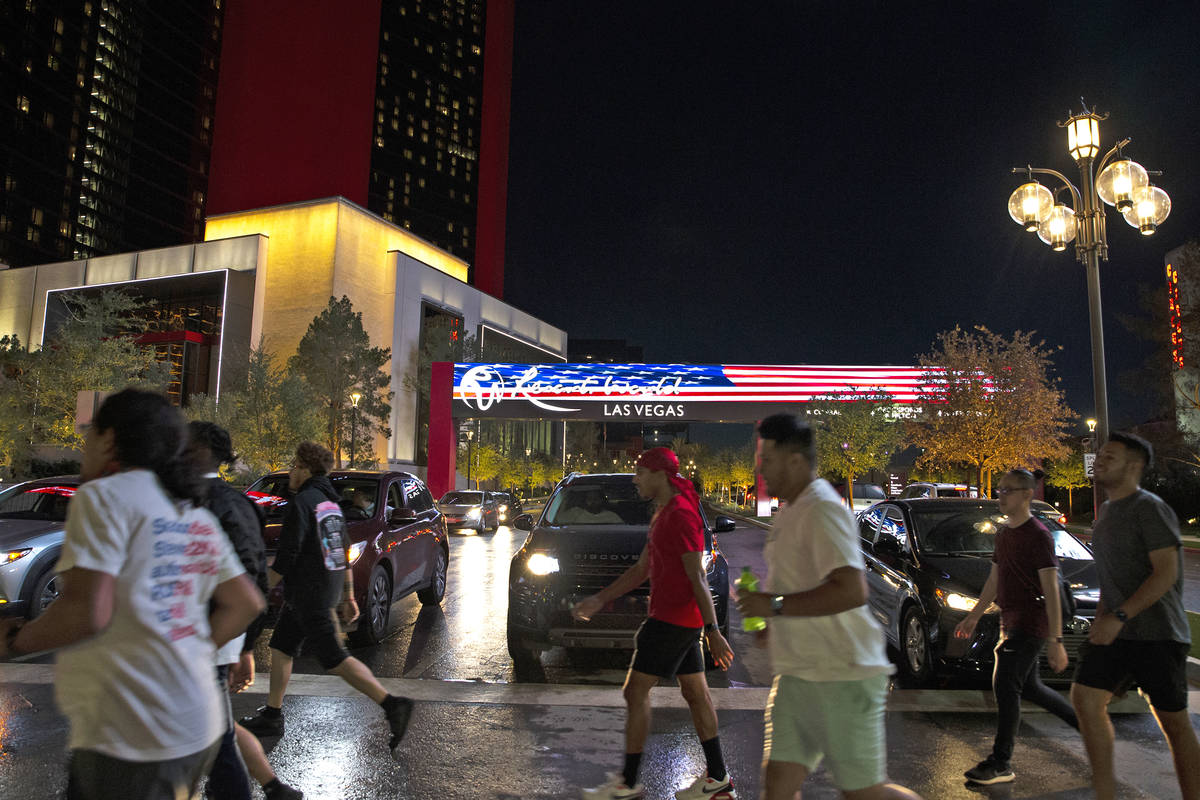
(748, 582)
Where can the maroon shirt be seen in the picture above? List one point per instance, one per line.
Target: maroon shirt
(1020, 553)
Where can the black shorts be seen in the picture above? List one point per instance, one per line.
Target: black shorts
(315, 629)
(667, 650)
(1159, 668)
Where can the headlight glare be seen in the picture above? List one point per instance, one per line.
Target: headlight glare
(356, 550)
(13, 555)
(956, 601)
(472, 513)
(541, 564)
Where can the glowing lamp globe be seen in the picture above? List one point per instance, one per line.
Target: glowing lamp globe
(1030, 204)
(1117, 183)
(1058, 228)
(1151, 207)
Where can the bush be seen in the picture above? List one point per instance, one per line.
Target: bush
(40, 468)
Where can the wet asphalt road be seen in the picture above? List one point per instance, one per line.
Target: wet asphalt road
(464, 638)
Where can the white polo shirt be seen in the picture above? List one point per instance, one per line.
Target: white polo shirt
(810, 538)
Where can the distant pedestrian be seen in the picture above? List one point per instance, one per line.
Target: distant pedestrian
(1140, 633)
(140, 565)
(1024, 582)
(318, 590)
(240, 751)
(827, 654)
(668, 642)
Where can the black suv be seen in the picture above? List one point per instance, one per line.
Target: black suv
(592, 529)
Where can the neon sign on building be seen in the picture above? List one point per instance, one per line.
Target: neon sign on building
(1176, 318)
(591, 391)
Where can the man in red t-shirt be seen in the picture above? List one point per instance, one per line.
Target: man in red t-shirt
(1024, 583)
(668, 641)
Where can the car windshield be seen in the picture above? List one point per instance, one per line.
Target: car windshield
(868, 491)
(462, 499)
(358, 495)
(610, 503)
(972, 531)
(42, 502)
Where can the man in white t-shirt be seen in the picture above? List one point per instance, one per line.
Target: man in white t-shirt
(827, 652)
(139, 566)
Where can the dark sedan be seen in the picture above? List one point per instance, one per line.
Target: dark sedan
(592, 529)
(927, 561)
(398, 542)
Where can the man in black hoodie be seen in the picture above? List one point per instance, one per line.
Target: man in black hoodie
(318, 588)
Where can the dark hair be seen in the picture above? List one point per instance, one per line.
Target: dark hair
(791, 432)
(1027, 479)
(149, 433)
(215, 438)
(314, 458)
(1135, 443)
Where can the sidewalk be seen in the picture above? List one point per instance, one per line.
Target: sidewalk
(474, 740)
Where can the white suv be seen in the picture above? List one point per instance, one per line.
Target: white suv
(915, 490)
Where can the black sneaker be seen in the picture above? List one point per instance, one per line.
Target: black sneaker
(262, 723)
(281, 791)
(987, 772)
(398, 712)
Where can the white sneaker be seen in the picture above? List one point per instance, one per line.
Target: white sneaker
(615, 789)
(706, 787)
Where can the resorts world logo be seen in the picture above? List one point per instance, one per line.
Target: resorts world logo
(485, 385)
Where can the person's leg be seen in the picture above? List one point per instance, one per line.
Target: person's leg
(360, 677)
(254, 756)
(1091, 707)
(1008, 676)
(884, 791)
(1185, 749)
(281, 674)
(694, 688)
(856, 739)
(1037, 692)
(782, 780)
(793, 737)
(637, 705)
(228, 778)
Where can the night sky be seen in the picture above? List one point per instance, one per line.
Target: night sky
(826, 183)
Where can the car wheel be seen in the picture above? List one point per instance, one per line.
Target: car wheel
(433, 594)
(45, 592)
(373, 624)
(916, 653)
(520, 654)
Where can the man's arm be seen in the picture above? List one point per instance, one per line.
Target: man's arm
(843, 589)
(235, 604)
(693, 565)
(1164, 571)
(630, 579)
(291, 533)
(1056, 654)
(84, 608)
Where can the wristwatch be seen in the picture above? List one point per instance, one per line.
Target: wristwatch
(777, 605)
(1121, 615)
(710, 627)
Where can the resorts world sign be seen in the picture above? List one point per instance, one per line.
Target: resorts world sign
(663, 392)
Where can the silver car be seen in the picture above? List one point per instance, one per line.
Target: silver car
(470, 510)
(32, 518)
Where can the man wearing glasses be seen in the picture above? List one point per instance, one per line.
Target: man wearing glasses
(1024, 583)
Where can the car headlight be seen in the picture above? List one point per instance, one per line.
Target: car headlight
(13, 555)
(502, 508)
(541, 564)
(356, 551)
(956, 601)
(472, 513)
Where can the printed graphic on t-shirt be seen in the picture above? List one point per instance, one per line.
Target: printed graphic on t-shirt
(182, 550)
(331, 533)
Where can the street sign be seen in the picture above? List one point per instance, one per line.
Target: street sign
(1089, 461)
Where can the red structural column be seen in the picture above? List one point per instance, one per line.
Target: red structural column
(442, 447)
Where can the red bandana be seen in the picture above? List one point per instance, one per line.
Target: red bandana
(664, 459)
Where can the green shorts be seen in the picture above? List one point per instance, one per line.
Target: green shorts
(839, 721)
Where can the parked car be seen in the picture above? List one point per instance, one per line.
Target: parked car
(592, 529)
(508, 506)
(1043, 510)
(927, 561)
(398, 541)
(33, 516)
(865, 495)
(471, 510)
(925, 489)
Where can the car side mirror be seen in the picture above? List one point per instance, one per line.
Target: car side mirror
(887, 546)
(523, 522)
(724, 525)
(402, 516)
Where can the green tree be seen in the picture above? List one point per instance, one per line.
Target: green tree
(489, 462)
(855, 433)
(1068, 473)
(546, 470)
(94, 350)
(335, 358)
(267, 418)
(989, 402)
(16, 437)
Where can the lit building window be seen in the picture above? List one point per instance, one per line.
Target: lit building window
(23, 103)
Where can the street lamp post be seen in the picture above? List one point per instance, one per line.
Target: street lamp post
(1091, 423)
(354, 398)
(1117, 182)
(470, 436)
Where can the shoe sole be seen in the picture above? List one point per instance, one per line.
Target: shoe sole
(998, 779)
(400, 720)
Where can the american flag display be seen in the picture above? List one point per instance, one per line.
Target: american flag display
(657, 391)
